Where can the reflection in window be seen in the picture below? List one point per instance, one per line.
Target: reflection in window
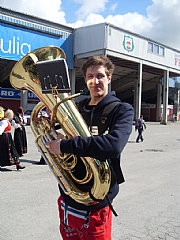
(161, 51)
(150, 47)
(156, 49)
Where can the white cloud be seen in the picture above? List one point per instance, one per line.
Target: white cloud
(164, 16)
(77, 24)
(49, 10)
(93, 19)
(113, 7)
(130, 21)
(88, 7)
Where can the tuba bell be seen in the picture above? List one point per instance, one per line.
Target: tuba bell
(25, 76)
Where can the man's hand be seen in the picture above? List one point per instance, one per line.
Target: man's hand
(54, 146)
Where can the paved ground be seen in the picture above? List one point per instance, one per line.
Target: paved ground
(148, 203)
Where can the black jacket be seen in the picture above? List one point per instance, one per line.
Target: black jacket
(103, 147)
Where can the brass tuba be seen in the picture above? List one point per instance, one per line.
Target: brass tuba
(24, 76)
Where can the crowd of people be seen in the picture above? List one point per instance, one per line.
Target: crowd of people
(12, 147)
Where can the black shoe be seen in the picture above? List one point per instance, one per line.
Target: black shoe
(19, 167)
(41, 163)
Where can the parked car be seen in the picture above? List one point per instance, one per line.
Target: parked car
(42, 113)
(27, 114)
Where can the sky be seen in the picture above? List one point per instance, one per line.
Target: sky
(158, 20)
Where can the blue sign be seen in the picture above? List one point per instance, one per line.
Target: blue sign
(15, 42)
(10, 93)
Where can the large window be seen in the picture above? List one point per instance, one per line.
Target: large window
(156, 49)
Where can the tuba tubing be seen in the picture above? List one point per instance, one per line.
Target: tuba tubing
(24, 76)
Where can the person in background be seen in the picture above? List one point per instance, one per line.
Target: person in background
(78, 221)
(42, 161)
(20, 138)
(140, 126)
(173, 117)
(8, 152)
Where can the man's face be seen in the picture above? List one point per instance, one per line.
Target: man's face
(97, 81)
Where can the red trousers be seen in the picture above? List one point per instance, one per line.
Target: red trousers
(76, 225)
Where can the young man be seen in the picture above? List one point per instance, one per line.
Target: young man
(140, 125)
(95, 222)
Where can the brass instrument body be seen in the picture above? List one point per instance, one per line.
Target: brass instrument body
(24, 76)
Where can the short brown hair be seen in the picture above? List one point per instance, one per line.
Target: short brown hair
(98, 60)
(21, 110)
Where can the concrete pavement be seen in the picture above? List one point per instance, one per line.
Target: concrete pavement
(148, 204)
